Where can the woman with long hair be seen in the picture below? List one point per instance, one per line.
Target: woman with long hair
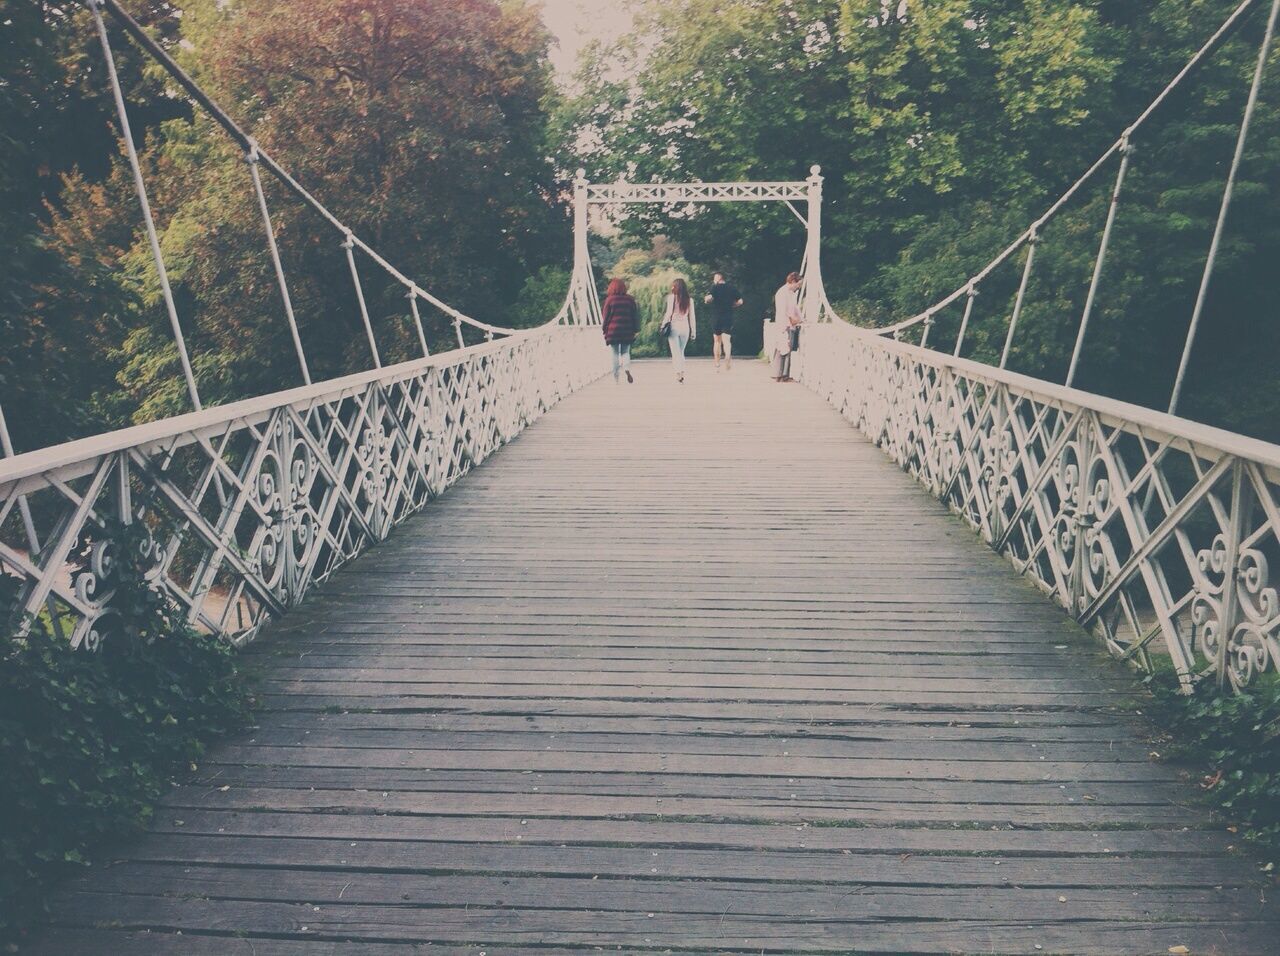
(679, 324)
(619, 321)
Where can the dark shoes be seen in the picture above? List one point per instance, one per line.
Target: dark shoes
(629, 378)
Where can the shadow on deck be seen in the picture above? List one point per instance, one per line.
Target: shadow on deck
(690, 668)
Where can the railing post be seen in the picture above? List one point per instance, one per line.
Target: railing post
(348, 245)
(1230, 593)
(1225, 208)
(1033, 239)
(140, 187)
(584, 307)
(1084, 452)
(1126, 151)
(813, 293)
(251, 157)
(457, 331)
(971, 294)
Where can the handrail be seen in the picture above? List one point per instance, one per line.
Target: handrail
(1202, 435)
(191, 424)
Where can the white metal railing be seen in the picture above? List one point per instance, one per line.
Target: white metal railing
(252, 504)
(1155, 532)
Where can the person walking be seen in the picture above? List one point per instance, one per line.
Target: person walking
(786, 326)
(723, 299)
(679, 324)
(619, 321)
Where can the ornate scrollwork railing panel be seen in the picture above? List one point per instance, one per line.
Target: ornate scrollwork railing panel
(1157, 533)
(253, 504)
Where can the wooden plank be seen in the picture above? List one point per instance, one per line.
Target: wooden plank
(645, 862)
(692, 742)
(324, 887)
(471, 798)
(779, 765)
(534, 931)
(436, 827)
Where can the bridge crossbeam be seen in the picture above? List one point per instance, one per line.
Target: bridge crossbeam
(679, 193)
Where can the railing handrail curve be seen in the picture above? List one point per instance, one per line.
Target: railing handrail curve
(1203, 436)
(189, 426)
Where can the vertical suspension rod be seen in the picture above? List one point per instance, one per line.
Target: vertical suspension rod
(1126, 151)
(928, 324)
(1033, 239)
(417, 321)
(140, 187)
(348, 246)
(251, 157)
(964, 323)
(1223, 211)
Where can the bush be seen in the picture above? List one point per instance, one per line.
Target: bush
(90, 740)
(1237, 738)
(541, 297)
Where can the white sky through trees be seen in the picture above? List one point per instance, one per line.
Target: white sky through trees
(575, 23)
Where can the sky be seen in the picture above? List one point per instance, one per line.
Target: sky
(575, 23)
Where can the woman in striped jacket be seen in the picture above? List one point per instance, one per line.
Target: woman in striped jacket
(620, 321)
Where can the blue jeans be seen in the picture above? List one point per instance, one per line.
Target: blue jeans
(621, 357)
(677, 341)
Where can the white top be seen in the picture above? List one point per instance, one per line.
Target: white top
(786, 312)
(682, 323)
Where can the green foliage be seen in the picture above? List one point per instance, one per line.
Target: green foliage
(1237, 738)
(542, 296)
(89, 741)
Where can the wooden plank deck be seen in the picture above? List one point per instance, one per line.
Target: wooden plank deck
(687, 669)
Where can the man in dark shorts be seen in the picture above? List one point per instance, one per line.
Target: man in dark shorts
(723, 299)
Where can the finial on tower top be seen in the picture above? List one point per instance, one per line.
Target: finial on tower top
(815, 170)
(582, 173)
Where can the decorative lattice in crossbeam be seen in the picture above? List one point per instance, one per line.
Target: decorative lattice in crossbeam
(679, 193)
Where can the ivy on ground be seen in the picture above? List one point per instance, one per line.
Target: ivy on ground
(1236, 738)
(90, 741)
